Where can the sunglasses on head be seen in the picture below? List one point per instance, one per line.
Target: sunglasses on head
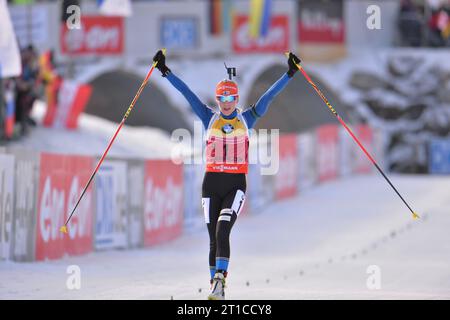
(226, 98)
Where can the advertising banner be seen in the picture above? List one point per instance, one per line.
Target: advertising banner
(362, 164)
(439, 156)
(346, 153)
(111, 220)
(380, 139)
(6, 204)
(163, 209)
(321, 30)
(276, 40)
(179, 32)
(135, 200)
(321, 22)
(327, 152)
(26, 183)
(61, 181)
(306, 147)
(286, 179)
(99, 35)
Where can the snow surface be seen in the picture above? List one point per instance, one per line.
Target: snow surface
(315, 246)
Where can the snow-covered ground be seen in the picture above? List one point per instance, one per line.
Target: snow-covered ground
(315, 246)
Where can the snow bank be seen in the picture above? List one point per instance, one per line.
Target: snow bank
(93, 136)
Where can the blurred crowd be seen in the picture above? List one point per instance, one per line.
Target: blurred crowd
(424, 23)
(17, 96)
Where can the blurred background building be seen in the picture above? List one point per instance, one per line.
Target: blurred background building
(394, 77)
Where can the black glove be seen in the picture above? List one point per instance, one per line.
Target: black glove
(292, 61)
(160, 58)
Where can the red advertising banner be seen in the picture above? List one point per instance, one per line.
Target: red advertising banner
(163, 207)
(286, 180)
(99, 35)
(321, 22)
(277, 39)
(61, 182)
(327, 137)
(365, 136)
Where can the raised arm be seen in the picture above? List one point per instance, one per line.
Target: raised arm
(199, 108)
(260, 108)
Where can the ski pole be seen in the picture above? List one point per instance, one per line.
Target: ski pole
(321, 95)
(127, 113)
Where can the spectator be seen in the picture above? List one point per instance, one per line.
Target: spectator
(410, 24)
(51, 82)
(27, 89)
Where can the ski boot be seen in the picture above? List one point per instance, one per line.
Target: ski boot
(217, 287)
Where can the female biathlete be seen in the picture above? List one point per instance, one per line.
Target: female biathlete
(227, 142)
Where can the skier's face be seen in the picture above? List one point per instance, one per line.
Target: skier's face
(228, 107)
